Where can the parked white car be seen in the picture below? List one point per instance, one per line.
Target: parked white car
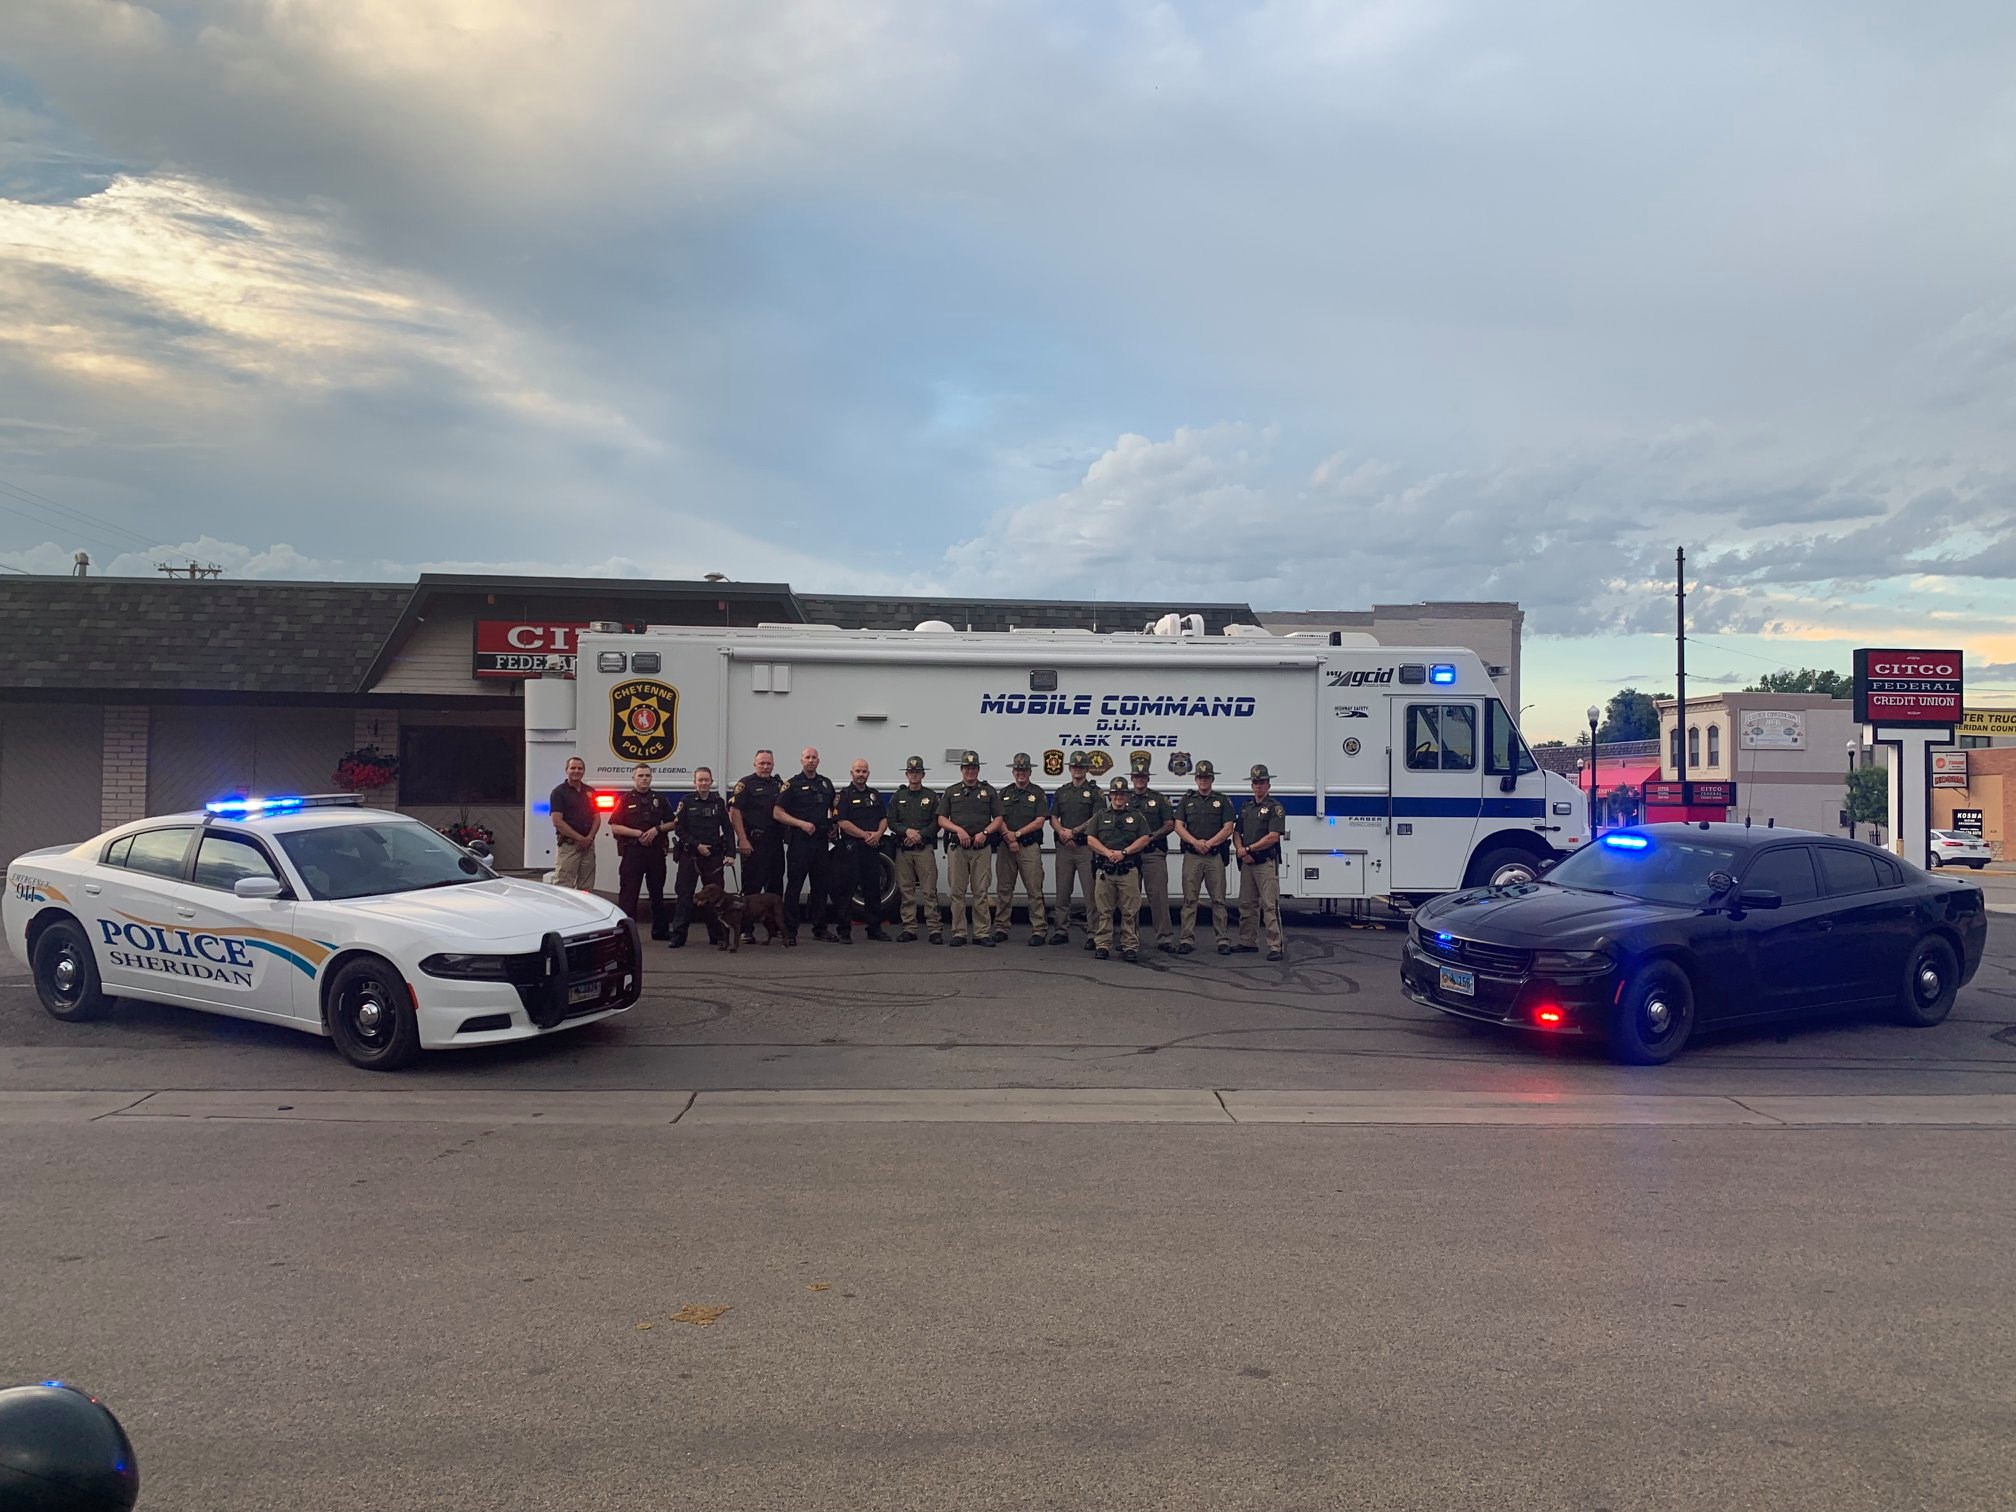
(368, 927)
(1959, 848)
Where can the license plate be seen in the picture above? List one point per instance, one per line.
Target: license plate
(585, 992)
(1462, 983)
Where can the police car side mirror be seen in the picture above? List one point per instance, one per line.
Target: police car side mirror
(257, 887)
(1757, 897)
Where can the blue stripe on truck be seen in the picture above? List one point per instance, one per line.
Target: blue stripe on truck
(1365, 806)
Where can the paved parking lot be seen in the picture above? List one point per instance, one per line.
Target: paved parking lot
(873, 1015)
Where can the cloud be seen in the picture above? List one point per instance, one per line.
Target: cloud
(1309, 302)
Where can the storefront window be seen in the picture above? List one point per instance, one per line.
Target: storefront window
(1714, 745)
(1693, 745)
(461, 764)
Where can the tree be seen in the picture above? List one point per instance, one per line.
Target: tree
(1631, 715)
(1869, 795)
(1805, 680)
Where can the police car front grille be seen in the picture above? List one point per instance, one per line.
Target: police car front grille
(591, 953)
(1499, 960)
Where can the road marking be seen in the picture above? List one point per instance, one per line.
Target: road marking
(1073, 1105)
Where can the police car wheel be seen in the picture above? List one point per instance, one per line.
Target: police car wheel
(1931, 982)
(369, 1017)
(1654, 1019)
(66, 974)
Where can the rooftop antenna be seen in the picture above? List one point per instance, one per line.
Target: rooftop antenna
(81, 564)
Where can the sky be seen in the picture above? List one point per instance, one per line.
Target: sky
(1302, 303)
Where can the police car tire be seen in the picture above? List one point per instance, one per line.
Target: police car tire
(1644, 1035)
(387, 1049)
(1931, 982)
(75, 995)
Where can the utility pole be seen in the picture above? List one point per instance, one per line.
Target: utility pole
(1680, 652)
(193, 571)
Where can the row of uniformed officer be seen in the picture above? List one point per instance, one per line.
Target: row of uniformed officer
(804, 831)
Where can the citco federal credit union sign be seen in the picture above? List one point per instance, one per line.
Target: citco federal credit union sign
(525, 648)
(1898, 687)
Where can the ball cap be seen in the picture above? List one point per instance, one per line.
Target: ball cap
(914, 764)
(1080, 761)
(1205, 769)
(1260, 773)
(1021, 763)
(969, 758)
(1141, 761)
(1120, 785)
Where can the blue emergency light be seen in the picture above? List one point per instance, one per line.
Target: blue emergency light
(1442, 674)
(243, 807)
(1627, 842)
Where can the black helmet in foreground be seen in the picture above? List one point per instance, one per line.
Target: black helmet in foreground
(61, 1450)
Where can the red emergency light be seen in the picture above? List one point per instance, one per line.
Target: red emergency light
(605, 802)
(1547, 1017)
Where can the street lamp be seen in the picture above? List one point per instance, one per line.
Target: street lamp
(1852, 746)
(1595, 822)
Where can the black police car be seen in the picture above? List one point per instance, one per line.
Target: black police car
(1648, 933)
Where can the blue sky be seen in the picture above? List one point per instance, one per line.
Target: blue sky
(1312, 303)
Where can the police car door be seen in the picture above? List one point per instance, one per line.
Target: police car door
(265, 968)
(130, 908)
(1437, 787)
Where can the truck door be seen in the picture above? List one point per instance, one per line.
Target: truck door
(1437, 790)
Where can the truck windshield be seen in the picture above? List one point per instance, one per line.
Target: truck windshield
(368, 860)
(1653, 867)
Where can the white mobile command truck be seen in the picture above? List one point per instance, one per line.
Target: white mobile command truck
(1402, 772)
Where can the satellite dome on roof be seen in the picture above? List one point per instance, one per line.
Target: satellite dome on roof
(935, 627)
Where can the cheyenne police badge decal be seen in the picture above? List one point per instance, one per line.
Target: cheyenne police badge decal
(1179, 763)
(1053, 763)
(643, 719)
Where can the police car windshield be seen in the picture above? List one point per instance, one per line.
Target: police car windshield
(1653, 867)
(369, 860)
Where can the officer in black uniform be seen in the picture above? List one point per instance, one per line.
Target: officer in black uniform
(759, 839)
(861, 815)
(805, 810)
(641, 823)
(701, 840)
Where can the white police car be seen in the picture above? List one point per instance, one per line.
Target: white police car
(317, 913)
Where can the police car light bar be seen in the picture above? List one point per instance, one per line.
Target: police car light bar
(1627, 842)
(282, 805)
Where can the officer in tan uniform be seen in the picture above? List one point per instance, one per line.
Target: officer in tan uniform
(1263, 826)
(1116, 837)
(1204, 825)
(1024, 810)
(1071, 809)
(970, 816)
(1160, 817)
(913, 820)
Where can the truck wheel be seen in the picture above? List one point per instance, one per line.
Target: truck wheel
(66, 973)
(1656, 1015)
(1502, 866)
(369, 1017)
(884, 908)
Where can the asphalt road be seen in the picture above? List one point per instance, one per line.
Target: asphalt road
(398, 1311)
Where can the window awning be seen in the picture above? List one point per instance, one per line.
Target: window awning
(1621, 776)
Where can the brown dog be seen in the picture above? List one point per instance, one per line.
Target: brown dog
(732, 910)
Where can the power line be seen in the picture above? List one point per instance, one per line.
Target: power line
(70, 517)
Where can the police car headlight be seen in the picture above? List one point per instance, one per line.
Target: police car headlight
(1570, 960)
(469, 968)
